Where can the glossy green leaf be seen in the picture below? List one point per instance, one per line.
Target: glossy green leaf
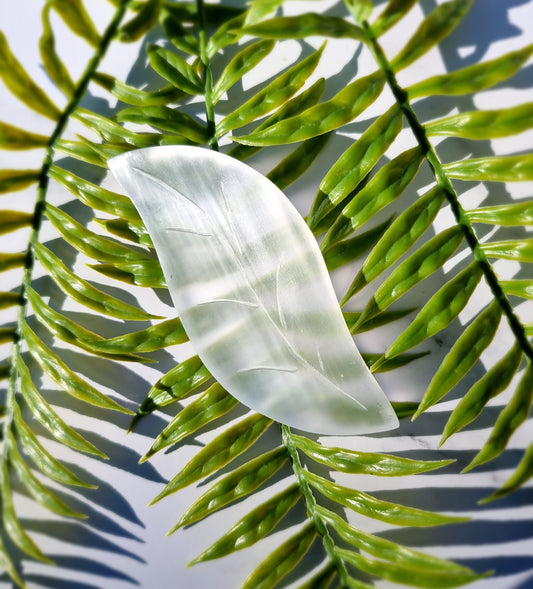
(83, 150)
(175, 69)
(323, 117)
(137, 272)
(12, 180)
(9, 299)
(14, 138)
(360, 9)
(70, 332)
(48, 418)
(399, 237)
(520, 213)
(214, 403)
(321, 580)
(484, 124)
(145, 19)
(88, 242)
(255, 525)
(156, 337)
(5, 371)
(21, 85)
(353, 462)
(369, 506)
(305, 25)
(217, 453)
(394, 11)
(522, 473)
(215, 14)
(77, 19)
(7, 565)
(10, 261)
(280, 562)
(259, 9)
(348, 250)
(113, 132)
(129, 230)
(179, 382)
(511, 168)
(354, 164)
(242, 63)
(383, 318)
(83, 292)
(134, 96)
(51, 61)
(237, 484)
(520, 250)
(511, 417)
(292, 107)
(11, 523)
(435, 27)
(179, 35)
(7, 334)
(518, 288)
(13, 220)
(417, 267)
(37, 490)
(65, 378)
(44, 461)
(462, 356)
(407, 575)
(473, 78)
(372, 360)
(423, 568)
(225, 35)
(297, 162)
(492, 383)
(386, 186)
(95, 196)
(273, 95)
(439, 311)
(167, 119)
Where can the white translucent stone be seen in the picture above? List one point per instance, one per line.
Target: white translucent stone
(252, 290)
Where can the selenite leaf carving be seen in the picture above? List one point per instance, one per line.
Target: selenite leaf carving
(252, 290)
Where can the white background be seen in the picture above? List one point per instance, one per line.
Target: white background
(123, 544)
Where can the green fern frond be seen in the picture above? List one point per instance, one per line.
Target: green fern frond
(364, 206)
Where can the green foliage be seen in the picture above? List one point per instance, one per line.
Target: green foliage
(210, 51)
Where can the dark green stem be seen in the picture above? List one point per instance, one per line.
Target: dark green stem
(442, 180)
(42, 191)
(310, 503)
(208, 77)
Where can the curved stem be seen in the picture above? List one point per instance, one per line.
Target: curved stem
(442, 180)
(311, 505)
(208, 77)
(42, 192)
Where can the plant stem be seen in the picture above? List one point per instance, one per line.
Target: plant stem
(208, 77)
(442, 180)
(310, 503)
(38, 211)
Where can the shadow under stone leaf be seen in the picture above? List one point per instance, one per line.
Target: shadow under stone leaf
(78, 534)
